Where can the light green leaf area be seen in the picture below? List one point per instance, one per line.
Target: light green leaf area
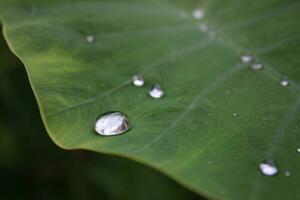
(219, 119)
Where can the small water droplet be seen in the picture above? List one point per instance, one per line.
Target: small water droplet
(138, 80)
(156, 92)
(235, 114)
(268, 168)
(287, 173)
(257, 66)
(90, 39)
(203, 27)
(284, 81)
(112, 123)
(198, 14)
(246, 58)
(298, 149)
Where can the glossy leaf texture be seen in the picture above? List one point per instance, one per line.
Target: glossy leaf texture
(219, 119)
(37, 169)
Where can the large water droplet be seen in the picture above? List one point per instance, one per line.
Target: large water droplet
(90, 39)
(246, 58)
(268, 168)
(138, 80)
(156, 92)
(284, 81)
(198, 14)
(112, 123)
(203, 27)
(257, 66)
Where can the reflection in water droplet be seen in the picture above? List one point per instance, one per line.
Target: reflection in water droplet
(198, 14)
(268, 168)
(257, 66)
(287, 173)
(284, 81)
(203, 27)
(90, 39)
(113, 123)
(138, 80)
(156, 92)
(246, 58)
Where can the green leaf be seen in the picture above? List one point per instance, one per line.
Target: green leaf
(219, 119)
(56, 174)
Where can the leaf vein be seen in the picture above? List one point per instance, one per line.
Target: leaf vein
(193, 104)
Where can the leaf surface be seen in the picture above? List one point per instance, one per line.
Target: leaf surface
(218, 120)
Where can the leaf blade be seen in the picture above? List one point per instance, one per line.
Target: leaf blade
(189, 74)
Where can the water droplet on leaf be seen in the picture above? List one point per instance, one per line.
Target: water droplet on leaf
(268, 168)
(257, 66)
(198, 14)
(156, 92)
(246, 58)
(90, 39)
(235, 114)
(298, 149)
(138, 80)
(112, 123)
(284, 81)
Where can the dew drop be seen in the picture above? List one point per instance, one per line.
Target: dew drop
(257, 66)
(90, 39)
(112, 123)
(298, 149)
(156, 92)
(138, 80)
(268, 168)
(246, 58)
(284, 81)
(234, 114)
(198, 14)
(287, 173)
(203, 27)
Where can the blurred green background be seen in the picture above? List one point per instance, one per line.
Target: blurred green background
(33, 167)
